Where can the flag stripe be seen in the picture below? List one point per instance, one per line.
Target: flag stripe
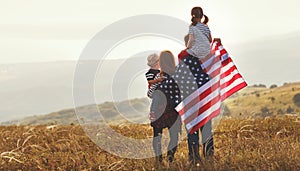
(202, 109)
(233, 90)
(211, 85)
(208, 67)
(231, 86)
(195, 104)
(209, 61)
(231, 70)
(193, 96)
(205, 120)
(198, 119)
(215, 72)
(230, 80)
(200, 103)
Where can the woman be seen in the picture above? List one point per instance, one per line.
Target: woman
(163, 115)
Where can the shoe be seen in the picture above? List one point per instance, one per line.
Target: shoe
(159, 159)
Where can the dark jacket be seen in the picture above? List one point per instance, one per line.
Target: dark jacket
(165, 99)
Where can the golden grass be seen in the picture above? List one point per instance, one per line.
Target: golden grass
(241, 144)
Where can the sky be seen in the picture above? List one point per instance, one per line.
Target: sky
(43, 30)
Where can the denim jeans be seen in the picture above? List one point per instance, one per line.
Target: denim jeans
(207, 141)
(172, 146)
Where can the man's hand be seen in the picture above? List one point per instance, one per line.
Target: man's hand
(218, 40)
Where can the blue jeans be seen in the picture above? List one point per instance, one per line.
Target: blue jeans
(207, 141)
(172, 146)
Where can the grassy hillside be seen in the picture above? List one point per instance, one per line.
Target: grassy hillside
(258, 101)
(241, 144)
(135, 110)
(251, 102)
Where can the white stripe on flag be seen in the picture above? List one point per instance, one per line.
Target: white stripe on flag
(227, 78)
(196, 93)
(210, 60)
(227, 67)
(231, 86)
(201, 103)
(216, 66)
(197, 120)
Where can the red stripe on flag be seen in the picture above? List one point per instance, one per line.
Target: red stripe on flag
(227, 61)
(228, 72)
(215, 73)
(202, 109)
(229, 82)
(198, 98)
(204, 121)
(233, 90)
(223, 52)
(215, 60)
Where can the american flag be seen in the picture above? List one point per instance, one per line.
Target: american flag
(203, 104)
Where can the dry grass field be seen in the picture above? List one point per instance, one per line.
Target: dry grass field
(241, 144)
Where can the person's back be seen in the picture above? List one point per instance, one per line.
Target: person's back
(201, 45)
(199, 35)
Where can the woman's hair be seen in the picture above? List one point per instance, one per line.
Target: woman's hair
(197, 13)
(167, 62)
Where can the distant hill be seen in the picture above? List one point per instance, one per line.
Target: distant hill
(40, 88)
(261, 101)
(135, 110)
(253, 101)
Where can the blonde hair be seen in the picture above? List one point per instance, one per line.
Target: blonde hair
(152, 60)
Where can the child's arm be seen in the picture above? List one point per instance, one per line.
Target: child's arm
(191, 41)
(160, 79)
(218, 40)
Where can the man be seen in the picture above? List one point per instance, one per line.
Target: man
(189, 69)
